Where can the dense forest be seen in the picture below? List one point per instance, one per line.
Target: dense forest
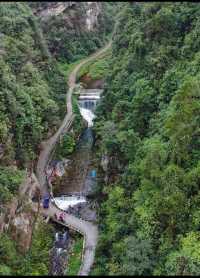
(31, 85)
(33, 91)
(148, 129)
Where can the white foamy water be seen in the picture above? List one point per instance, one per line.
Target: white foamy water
(64, 202)
(88, 115)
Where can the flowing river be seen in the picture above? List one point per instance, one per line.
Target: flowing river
(77, 176)
(77, 180)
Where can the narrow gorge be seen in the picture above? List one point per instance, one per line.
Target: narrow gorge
(99, 138)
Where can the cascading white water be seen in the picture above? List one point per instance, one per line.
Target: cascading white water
(88, 115)
(69, 201)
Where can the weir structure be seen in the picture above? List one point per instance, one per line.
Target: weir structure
(89, 98)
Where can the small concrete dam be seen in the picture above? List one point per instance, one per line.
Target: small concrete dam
(87, 101)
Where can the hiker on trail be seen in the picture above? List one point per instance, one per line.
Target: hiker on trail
(61, 217)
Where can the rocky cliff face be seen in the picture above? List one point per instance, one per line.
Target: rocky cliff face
(90, 12)
(48, 9)
(18, 216)
(73, 29)
(89, 20)
(93, 10)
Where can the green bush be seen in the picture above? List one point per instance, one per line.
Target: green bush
(10, 180)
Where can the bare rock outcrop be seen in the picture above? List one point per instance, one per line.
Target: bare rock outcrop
(18, 217)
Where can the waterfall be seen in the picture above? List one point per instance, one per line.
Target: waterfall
(88, 100)
(88, 115)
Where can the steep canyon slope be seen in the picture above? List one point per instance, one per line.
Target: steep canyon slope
(148, 130)
(32, 104)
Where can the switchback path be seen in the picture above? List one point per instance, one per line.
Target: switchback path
(87, 229)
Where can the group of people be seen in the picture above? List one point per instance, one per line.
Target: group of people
(71, 210)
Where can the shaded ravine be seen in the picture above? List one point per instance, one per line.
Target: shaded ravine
(87, 229)
(77, 170)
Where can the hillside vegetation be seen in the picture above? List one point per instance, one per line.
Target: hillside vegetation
(33, 91)
(148, 126)
(31, 87)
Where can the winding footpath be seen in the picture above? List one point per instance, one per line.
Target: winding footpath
(87, 229)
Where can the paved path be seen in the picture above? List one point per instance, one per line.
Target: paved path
(87, 229)
(66, 124)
